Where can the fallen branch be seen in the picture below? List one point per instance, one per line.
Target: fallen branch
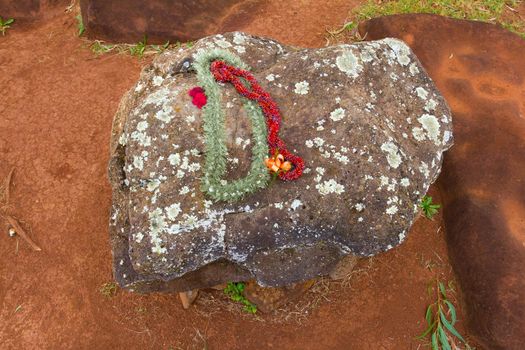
(12, 221)
(20, 231)
(7, 185)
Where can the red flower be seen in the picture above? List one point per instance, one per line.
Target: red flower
(199, 97)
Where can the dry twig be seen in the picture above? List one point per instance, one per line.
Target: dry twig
(4, 208)
(20, 231)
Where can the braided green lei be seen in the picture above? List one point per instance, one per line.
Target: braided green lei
(216, 152)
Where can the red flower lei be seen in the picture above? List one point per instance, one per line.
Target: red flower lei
(228, 74)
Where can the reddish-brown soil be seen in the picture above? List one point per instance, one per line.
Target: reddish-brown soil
(57, 102)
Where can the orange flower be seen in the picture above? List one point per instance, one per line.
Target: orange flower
(277, 164)
(286, 166)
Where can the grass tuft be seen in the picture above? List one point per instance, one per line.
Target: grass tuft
(108, 289)
(99, 47)
(5, 25)
(139, 50)
(501, 12)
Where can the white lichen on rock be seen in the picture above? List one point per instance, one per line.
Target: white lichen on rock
(239, 38)
(223, 43)
(240, 49)
(330, 186)
(173, 211)
(421, 93)
(391, 210)
(302, 88)
(296, 204)
(392, 154)
(348, 63)
(431, 126)
(337, 114)
(157, 80)
(401, 52)
(418, 133)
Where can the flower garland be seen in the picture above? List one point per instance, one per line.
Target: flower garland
(225, 73)
(222, 66)
(215, 136)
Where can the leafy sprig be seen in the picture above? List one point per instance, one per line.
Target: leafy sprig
(5, 25)
(235, 290)
(429, 209)
(441, 318)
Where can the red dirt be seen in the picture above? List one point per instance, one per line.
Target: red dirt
(56, 107)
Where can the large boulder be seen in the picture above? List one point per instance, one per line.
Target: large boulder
(367, 120)
(29, 9)
(162, 20)
(480, 69)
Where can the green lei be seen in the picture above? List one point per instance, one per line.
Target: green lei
(216, 152)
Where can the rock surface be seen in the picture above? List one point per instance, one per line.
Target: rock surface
(26, 9)
(162, 20)
(481, 71)
(367, 120)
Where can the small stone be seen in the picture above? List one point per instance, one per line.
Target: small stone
(11, 232)
(344, 268)
(187, 298)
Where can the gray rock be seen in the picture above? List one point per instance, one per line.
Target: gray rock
(366, 118)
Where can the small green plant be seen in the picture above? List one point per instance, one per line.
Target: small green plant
(108, 289)
(99, 48)
(5, 25)
(160, 48)
(429, 209)
(441, 317)
(139, 48)
(235, 290)
(80, 24)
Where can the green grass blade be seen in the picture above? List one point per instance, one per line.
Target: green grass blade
(81, 28)
(452, 310)
(427, 331)
(443, 339)
(450, 327)
(428, 315)
(434, 341)
(442, 289)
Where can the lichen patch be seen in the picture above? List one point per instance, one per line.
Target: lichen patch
(337, 114)
(349, 64)
(392, 154)
(302, 88)
(431, 126)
